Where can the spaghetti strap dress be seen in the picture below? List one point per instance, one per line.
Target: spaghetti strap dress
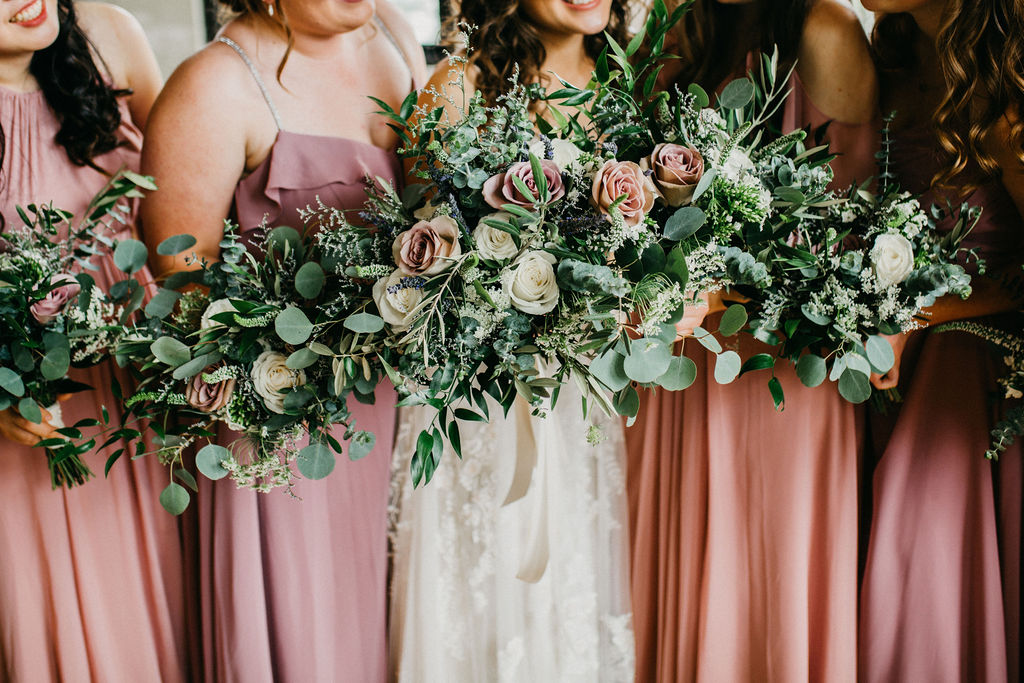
(91, 578)
(743, 520)
(941, 595)
(295, 590)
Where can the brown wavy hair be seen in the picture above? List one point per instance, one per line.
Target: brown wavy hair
(982, 62)
(710, 48)
(505, 38)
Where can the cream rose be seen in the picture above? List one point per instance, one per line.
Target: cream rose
(428, 247)
(617, 178)
(271, 377)
(493, 243)
(564, 153)
(676, 171)
(892, 258)
(215, 308)
(531, 285)
(395, 301)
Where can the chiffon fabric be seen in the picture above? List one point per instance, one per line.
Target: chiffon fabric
(743, 521)
(91, 580)
(294, 590)
(941, 590)
(533, 590)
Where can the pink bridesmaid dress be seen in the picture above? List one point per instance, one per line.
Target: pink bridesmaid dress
(296, 590)
(743, 520)
(91, 583)
(941, 590)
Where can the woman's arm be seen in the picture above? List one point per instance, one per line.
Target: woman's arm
(196, 148)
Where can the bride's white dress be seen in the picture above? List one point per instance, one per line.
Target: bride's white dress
(459, 614)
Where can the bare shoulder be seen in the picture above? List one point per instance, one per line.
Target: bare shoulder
(406, 38)
(213, 80)
(116, 34)
(835, 63)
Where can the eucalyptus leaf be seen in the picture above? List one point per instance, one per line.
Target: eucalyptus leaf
(609, 369)
(162, 303)
(292, 326)
(364, 323)
(737, 94)
(29, 410)
(10, 381)
(707, 340)
(210, 461)
(175, 498)
(811, 369)
(880, 354)
(309, 280)
(727, 367)
(55, 363)
(681, 373)
(733, 320)
(360, 445)
(195, 366)
(301, 359)
(170, 351)
(130, 256)
(315, 461)
(627, 402)
(684, 222)
(854, 386)
(175, 244)
(648, 360)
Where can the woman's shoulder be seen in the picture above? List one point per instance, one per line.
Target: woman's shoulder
(115, 34)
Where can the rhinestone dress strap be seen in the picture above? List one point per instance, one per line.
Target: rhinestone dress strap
(256, 76)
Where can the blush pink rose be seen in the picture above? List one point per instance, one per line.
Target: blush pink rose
(500, 189)
(617, 178)
(677, 170)
(427, 247)
(209, 397)
(65, 288)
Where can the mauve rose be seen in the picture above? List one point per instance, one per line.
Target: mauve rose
(208, 397)
(65, 288)
(427, 247)
(677, 170)
(617, 178)
(499, 189)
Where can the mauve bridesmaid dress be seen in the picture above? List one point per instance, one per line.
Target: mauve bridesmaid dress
(743, 520)
(941, 590)
(91, 577)
(295, 590)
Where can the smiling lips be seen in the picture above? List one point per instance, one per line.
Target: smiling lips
(582, 4)
(31, 14)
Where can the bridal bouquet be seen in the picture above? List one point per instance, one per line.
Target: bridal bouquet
(260, 345)
(54, 317)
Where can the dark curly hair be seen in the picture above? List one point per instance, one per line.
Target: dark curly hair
(711, 48)
(982, 62)
(77, 92)
(505, 38)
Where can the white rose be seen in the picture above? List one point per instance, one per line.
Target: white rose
(270, 377)
(395, 306)
(531, 286)
(493, 243)
(892, 258)
(565, 154)
(736, 164)
(215, 308)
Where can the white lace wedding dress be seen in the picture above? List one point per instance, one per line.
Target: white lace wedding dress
(459, 614)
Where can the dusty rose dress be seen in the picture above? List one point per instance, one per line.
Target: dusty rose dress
(941, 591)
(743, 520)
(295, 590)
(90, 578)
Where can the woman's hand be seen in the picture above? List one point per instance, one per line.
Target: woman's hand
(16, 428)
(890, 379)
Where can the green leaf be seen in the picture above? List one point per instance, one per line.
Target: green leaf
(55, 363)
(707, 340)
(315, 461)
(10, 381)
(759, 361)
(309, 280)
(727, 367)
(880, 354)
(811, 369)
(301, 359)
(170, 351)
(627, 402)
(292, 326)
(681, 373)
(186, 478)
(467, 415)
(859, 363)
(162, 303)
(701, 97)
(175, 498)
(854, 386)
(143, 181)
(539, 179)
(684, 222)
(737, 94)
(364, 323)
(778, 396)
(175, 244)
(130, 256)
(195, 366)
(424, 446)
(210, 459)
(282, 236)
(704, 184)
(648, 360)
(360, 445)
(579, 276)
(675, 266)
(29, 410)
(733, 320)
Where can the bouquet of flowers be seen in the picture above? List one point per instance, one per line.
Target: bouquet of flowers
(258, 342)
(53, 316)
